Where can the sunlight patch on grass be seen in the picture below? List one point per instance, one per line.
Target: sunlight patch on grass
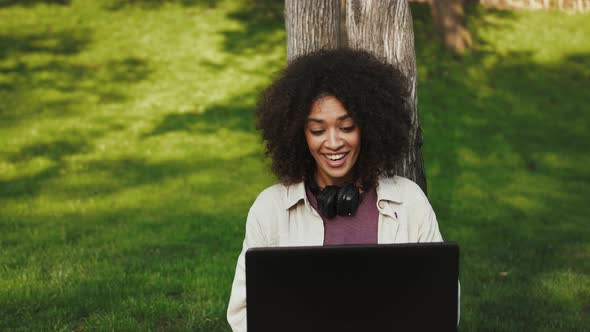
(521, 202)
(433, 168)
(470, 189)
(506, 34)
(468, 157)
(28, 168)
(569, 290)
(523, 191)
(559, 162)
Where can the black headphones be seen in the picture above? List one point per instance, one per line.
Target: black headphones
(335, 200)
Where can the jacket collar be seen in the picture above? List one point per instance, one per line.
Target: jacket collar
(387, 189)
(295, 193)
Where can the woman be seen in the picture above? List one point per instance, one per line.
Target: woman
(334, 124)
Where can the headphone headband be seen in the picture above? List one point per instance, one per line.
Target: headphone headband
(334, 200)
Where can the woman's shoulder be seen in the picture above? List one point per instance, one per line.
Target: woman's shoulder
(272, 193)
(279, 196)
(399, 188)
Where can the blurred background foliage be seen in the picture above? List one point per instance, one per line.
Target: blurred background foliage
(129, 159)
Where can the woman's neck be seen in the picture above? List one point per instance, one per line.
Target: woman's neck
(323, 182)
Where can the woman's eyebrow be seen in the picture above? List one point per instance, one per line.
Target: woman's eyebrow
(340, 118)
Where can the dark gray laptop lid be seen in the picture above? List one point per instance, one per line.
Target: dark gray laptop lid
(397, 287)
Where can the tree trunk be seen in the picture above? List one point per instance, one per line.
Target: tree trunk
(385, 28)
(449, 21)
(311, 25)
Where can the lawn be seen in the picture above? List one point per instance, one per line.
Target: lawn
(129, 159)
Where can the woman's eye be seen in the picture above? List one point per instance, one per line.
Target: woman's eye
(348, 129)
(316, 132)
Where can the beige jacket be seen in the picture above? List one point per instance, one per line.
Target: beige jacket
(282, 216)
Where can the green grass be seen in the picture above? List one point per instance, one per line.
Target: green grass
(129, 159)
(506, 148)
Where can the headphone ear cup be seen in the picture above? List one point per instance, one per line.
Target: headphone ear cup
(327, 201)
(348, 200)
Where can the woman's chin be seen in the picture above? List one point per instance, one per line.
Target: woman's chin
(334, 177)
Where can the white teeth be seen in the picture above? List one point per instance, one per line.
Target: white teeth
(335, 157)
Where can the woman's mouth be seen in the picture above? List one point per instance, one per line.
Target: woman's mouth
(335, 159)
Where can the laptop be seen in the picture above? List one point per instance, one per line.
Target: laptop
(394, 287)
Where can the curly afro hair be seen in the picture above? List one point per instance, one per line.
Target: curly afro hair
(371, 91)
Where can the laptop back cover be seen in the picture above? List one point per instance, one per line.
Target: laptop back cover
(397, 287)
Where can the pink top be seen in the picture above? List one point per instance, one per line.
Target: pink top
(360, 228)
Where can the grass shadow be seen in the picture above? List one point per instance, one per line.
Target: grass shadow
(28, 3)
(58, 87)
(40, 79)
(56, 150)
(260, 20)
(156, 4)
(66, 42)
(232, 115)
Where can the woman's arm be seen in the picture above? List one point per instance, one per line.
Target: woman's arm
(428, 231)
(236, 310)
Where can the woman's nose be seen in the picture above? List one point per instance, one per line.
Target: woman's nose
(334, 141)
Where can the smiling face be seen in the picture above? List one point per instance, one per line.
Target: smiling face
(334, 141)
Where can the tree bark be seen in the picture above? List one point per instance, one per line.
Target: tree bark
(449, 21)
(385, 28)
(311, 25)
